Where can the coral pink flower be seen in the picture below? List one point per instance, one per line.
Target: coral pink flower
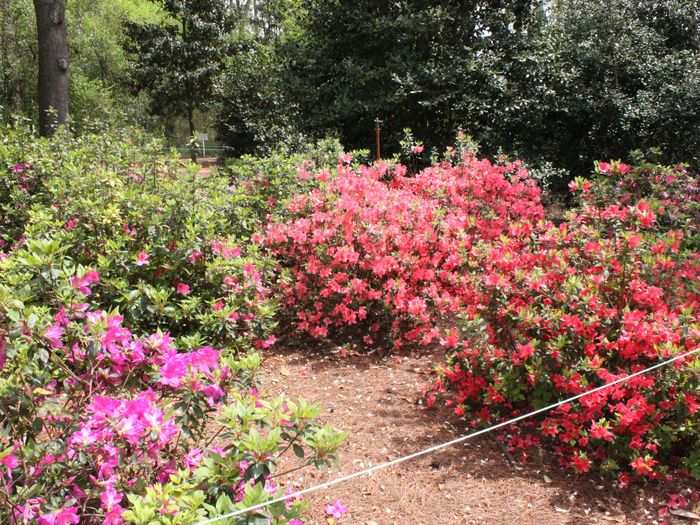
(182, 289)
(142, 258)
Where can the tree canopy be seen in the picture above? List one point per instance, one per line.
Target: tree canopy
(559, 82)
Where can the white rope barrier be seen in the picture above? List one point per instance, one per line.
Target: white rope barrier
(441, 446)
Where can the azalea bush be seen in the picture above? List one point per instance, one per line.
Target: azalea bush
(28, 162)
(529, 312)
(672, 193)
(132, 315)
(101, 426)
(374, 254)
(560, 310)
(168, 244)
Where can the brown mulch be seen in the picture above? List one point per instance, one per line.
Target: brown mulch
(376, 401)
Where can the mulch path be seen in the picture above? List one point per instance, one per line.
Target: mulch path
(376, 400)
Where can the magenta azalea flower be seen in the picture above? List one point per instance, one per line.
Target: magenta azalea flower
(193, 458)
(54, 333)
(336, 510)
(9, 461)
(83, 283)
(65, 516)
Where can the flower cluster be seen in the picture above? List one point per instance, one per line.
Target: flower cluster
(566, 308)
(384, 259)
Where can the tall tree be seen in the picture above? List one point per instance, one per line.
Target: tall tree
(428, 65)
(53, 64)
(179, 60)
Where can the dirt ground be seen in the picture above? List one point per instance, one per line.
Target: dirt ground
(377, 402)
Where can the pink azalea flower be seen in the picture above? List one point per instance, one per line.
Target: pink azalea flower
(624, 169)
(336, 510)
(71, 224)
(173, 370)
(29, 511)
(110, 498)
(193, 458)
(20, 167)
(417, 149)
(270, 487)
(270, 341)
(182, 289)
(83, 283)
(142, 258)
(295, 521)
(604, 167)
(65, 516)
(195, 257)
(9, 462)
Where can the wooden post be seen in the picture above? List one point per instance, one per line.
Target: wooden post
(378, 136)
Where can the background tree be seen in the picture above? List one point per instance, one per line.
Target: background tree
(428, 65)
(601, 78)
(178, 61)
(257, 113)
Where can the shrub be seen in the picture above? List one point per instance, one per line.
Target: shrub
(168, 244)
(529, 312)
(101, 426)
(374, 253)
(564, 309)
(129, 311)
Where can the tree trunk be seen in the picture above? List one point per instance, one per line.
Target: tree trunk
(53, 64)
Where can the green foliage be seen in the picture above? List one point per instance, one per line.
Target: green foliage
(256, 115)
(602, 78)
(98, 64)
(164, 240)
(179, 59)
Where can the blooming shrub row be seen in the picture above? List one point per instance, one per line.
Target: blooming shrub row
(529, 312)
